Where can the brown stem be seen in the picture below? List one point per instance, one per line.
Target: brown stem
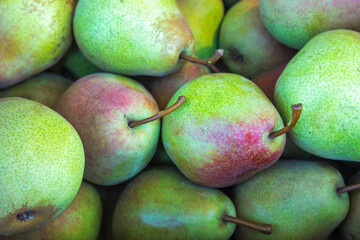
(263, 228)
(295, 115)
(213, 68)
(217, 55)
(348, 188)
(159, 115)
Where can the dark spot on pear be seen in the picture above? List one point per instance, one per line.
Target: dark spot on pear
(235, 55)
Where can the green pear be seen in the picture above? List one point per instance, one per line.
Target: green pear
(204, 18)
(161, 203)
(134, 37)
(298, 198)
(81, 220)
(324, 77)
(349, 228)
(295, 22)
(220, 135)
(249, 48)
(41, 165)
(34, 36)
(76, 63)
(44, 88)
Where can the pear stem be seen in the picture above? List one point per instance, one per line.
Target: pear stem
(295, 115)
(217, 55)
(213, 68)
(159, 115)
(263, 228)
(348, 188)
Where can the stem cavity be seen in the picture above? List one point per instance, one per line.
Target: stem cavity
(263, 228)
(348, 188)
(217, 55)
(24, 216)
(161, 114)
(295, 115)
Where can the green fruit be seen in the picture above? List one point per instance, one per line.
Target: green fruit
(34, 36)
(81, 220)
(249, 48)
(44, 88)
(298, 198)
(220, 135)
(161, 203)
(295, 22)
(41, 164)
(134, 37)
(324, 77)
(204, 18)
(349, 228)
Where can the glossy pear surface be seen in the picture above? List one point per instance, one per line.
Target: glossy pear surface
(324, 77)
(220, 135)
(41, 164)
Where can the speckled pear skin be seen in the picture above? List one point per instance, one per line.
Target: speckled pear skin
(298, 198)
(349, 228)
(250, 49)
(220, 135)
(100, 106)
(204, 18)
(34, 35)
(324, 77)
(161, 203)
(41, 164)
(165, 87)
(133, 37)
(81, 220)
(44, 88)
(295, 22)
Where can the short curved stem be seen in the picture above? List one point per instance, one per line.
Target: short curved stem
(263, 228)
(217, 55)
(295, 115)
(348, 188)
(159, 115)
(213, 68)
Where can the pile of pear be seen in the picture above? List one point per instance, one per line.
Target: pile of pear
(179, 119)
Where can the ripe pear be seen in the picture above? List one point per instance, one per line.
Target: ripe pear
(41, 165)
(249, 48)
(324, 77)
(295, 22)
(100, 107)
(220, 136)
(298, 198)
(134, 37)
(161, 203)
(34, 36)
(349, 228)
(81, 220)
(204, 18)
(44, 88)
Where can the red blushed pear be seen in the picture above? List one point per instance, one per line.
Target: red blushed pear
(105, 110)
(226, 131)
(80, 220)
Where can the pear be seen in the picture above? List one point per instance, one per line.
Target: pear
(324, 77)
(160, 203)
(81, 220)
(298, 198)
(41, 165)
(134, 37)
(44, 88)
(349, 228)
(249, 48)
(100, 107)
(34, 36)
(220, 135)
(295, 22)
(204, 18)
